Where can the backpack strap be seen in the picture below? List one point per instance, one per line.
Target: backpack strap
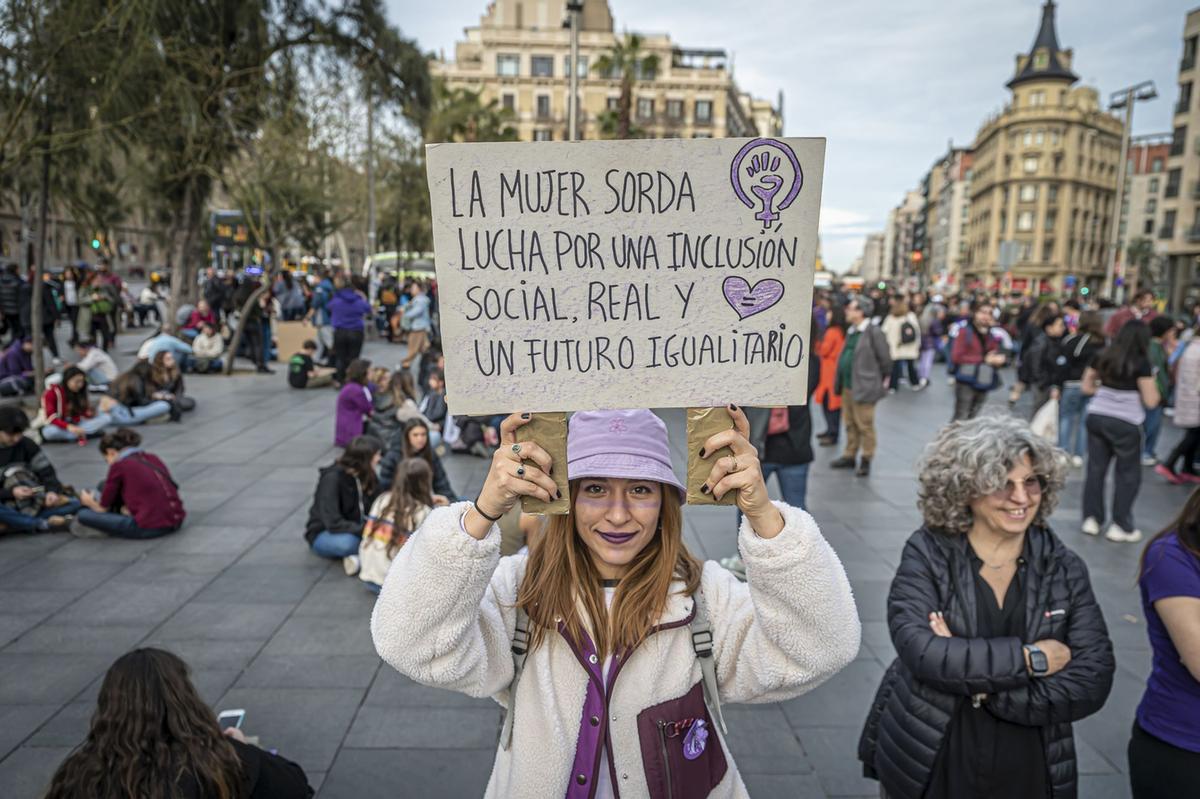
(702, 639)
(520, 647)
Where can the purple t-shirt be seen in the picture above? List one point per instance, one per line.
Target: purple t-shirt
(1170, 708)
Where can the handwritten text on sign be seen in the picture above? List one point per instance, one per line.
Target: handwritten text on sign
(619, 274)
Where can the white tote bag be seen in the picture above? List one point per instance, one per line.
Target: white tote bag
(1045, 421)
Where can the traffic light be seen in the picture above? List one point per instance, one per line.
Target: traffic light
(1085, 291)
(95, 244)
(882, 285)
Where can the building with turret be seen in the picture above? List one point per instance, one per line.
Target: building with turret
(1044, 179)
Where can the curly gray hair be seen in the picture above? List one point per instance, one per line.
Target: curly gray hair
(971, 459)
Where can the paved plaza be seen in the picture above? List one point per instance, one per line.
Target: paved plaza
(273, 629)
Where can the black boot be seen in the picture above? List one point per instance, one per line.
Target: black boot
(864, 468)
(842, 463)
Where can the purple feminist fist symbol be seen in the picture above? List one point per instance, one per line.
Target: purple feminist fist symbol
(765, 165)
(695, 740)
(749, 301)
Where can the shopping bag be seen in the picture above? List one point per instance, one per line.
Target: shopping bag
(1045, 421)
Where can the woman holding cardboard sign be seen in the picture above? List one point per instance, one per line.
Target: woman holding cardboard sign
(610, 629)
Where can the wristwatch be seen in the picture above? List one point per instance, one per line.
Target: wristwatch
(1038, 663)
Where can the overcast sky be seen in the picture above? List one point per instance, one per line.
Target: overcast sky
(887, 82)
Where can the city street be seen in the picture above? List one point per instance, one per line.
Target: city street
(269, 627)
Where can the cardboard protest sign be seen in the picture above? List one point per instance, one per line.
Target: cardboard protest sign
(625, 274)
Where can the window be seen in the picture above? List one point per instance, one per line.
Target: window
(1029, 192)
(1037, 99)
(1151, 205)
(508, 101)
(1027, 139)
(701, 135)
(1025, 221)
(1189, 53)
(612, 104)
(1156, 165)
(703, 111)
(1055, 138)
(1148, 228)
(1154, 185)
(1039, 138)
(644, 71)
(675, 109)
(542, 134)
(1031, 165)
(645, 107)
(1051, 220)
(1052, 193)
(1174, 177)
(1167, 231)
(508, 66)
(582, 70)
(543, 106)
(541, 66)
(1179, 140)
(1003, 222)
(1025, 253)
(1048, 250)
(1041, 59)
(1185, 98)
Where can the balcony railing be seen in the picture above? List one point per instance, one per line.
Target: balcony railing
(1182, 106)
(1171, 191)
(1176, 148)
(1166, 233)
(1193, 234)
(1187, 63)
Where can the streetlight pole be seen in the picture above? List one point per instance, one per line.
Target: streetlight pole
(1125, 98)
(370, 172)
(574, 7)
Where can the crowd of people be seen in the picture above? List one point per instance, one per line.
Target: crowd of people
(554, 616)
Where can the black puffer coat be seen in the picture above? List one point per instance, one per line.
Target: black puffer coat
(930, 676)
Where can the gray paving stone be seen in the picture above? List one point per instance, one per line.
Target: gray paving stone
(834, 750)
(320, 635)
(124, 603)
(106, 549)
(392, 690)
(377, 773)
(18, 722)
(310, 671)
(415, 728)
(783, 786)
(47, 574)
(842, 701)
(82, 639)
(336, 597)
(12, 626)
(208, 538)
(44, 679)
(26, 772)
(222, 621)
(762, 742)
(306, 725)
(156, 567)
(68, 727)
(254, 582)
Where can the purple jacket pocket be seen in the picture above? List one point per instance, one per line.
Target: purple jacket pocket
(681, 753)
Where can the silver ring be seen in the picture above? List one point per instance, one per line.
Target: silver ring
(516, 448)
(735, 468)
(520, 471)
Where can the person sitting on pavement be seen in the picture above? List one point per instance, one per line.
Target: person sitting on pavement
(135, 398)
(68, 409)
(629, 637)
(433, 406)
(412, 441)
(139, 499)
(16, 369)
(31, 497)
(166, 381)
(201, 315)
(95, 363)
(303, 371)
(394, 517)
(207, 349)
(354, 403)
(396, 402)
(152, 735)
(164, 342)
(982, 695)
(345, 491)
(146, 306)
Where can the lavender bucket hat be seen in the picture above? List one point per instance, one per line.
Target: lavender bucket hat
(623, 444)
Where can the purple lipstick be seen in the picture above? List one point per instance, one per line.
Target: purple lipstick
(618, 538)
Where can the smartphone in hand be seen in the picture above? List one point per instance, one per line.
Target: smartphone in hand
(231, 718)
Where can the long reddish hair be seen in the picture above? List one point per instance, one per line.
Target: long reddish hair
(561, 581)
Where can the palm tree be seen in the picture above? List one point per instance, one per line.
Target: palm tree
(625, 61)
(462, 115)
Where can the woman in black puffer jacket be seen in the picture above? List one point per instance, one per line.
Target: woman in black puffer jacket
(1001, 644)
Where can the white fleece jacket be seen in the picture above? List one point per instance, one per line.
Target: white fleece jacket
(445, 618)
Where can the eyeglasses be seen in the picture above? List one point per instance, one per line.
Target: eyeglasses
(1032, 486)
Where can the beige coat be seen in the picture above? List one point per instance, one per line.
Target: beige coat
(891, 329)
(446, 617)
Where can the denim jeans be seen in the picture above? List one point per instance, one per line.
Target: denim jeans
(118, 525)
(15, 520)
(1072, 409)
(1150, 429)
(90, 427)
(124, 415)
(335, 545)
(793, 481)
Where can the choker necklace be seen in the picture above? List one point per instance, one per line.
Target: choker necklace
(610, 583)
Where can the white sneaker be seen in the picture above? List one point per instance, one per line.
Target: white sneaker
(919, 386)
(1090, 526)
(1115, 533)
(1149, 460)
(351, 564)
(1077, 462)
(950, 381)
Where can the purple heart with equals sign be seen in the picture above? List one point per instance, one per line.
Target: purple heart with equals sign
(747, 301)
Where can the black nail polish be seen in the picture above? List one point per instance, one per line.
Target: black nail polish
(702, 452)
(559, 493)
(732, 407)
(704, 489)
(524, 416)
